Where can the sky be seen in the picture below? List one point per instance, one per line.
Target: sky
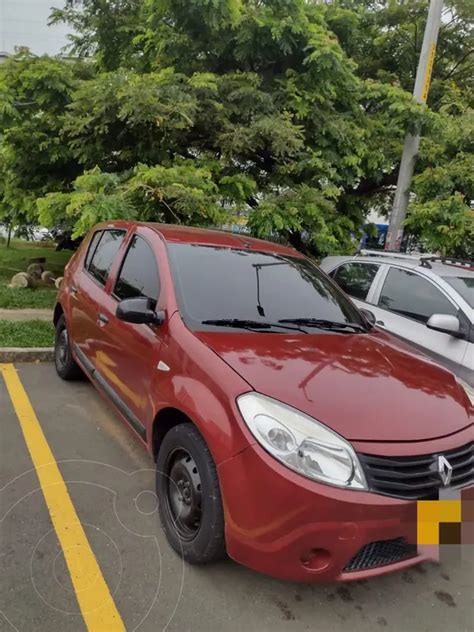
(25, 23)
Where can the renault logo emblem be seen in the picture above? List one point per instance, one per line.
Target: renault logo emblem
(445, 470)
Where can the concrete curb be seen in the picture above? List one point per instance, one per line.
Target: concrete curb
(34, 354)
(26, 314)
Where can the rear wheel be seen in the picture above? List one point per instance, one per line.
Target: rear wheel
(190, 499)
(66, 367)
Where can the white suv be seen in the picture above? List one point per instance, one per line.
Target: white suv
(426, 300)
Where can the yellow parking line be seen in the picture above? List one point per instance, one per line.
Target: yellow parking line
(95, 601)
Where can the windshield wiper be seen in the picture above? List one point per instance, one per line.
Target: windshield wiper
(250, 324)
(324, 324)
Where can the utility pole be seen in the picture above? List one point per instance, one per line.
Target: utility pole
(412, 143)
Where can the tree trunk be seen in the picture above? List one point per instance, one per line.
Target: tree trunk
(297, 242)
(9, 236)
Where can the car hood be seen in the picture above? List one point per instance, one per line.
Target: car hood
(366, 387)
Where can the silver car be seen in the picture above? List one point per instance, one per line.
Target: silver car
(428, 301)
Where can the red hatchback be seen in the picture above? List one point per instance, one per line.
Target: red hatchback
(287, 430)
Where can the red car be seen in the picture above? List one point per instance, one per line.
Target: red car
(287, 430)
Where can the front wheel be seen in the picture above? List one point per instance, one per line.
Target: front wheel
(188, 489)
(66, 366)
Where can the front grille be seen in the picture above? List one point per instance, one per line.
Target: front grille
(381, 553)
(417, 477)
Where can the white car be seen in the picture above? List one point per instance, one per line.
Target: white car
(425, 300)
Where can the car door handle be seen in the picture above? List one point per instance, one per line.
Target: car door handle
(103, 320)
(380, 323)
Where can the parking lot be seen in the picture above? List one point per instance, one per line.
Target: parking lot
(110, 488)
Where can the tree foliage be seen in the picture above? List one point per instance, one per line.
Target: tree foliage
(34, 94)
(291, 112)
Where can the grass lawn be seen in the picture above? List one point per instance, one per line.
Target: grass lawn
(23, 298)
(29, 333)
(15, 259)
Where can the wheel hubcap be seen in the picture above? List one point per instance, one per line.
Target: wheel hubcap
(184, 495)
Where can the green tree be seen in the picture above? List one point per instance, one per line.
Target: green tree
(181, 193)
(104, 28)
(385, 39)
(442, 213)
(292, 112)
(34, 159)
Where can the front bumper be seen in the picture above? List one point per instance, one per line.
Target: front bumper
(281, 524)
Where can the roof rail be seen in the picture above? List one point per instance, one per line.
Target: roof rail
(450, 261)
(391, 254)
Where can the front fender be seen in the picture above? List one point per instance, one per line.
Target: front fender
(216, 416)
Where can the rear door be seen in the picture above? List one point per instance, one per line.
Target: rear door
(88, 288)
(405, 302)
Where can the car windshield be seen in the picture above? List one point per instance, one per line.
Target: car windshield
(244, 287)
(464, 285)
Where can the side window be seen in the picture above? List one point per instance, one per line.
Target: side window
(104, 255)
(139, 273)
(92, 247)
(356, 278)
(408, 294)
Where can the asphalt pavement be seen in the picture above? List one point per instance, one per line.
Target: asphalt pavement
(78, 523)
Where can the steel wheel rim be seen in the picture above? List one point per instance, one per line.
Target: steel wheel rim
(62, 348)
(183, 494)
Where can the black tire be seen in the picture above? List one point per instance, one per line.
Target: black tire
(66, 366)
(198, 536)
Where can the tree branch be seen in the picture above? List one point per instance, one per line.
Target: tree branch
(444, 26)
(457, 64)
(368, 187)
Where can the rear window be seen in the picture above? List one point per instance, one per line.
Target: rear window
(92, 248)
(103, 257)
(464, 285)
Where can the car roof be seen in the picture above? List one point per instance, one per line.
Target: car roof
(175, 233)
(436, 266)
(333, 261)
(400, 261)
(447, 270)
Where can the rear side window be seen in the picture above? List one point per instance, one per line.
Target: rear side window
(104, 255)
(92, 246)
(139, 273)
(356, 278)
(408, 294)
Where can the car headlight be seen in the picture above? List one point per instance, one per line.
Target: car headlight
(469, 390)
(301, 443)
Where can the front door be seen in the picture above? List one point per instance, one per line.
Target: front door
(406, 302)
(127, 354)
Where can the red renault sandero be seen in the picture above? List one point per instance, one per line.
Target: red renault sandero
(288, 430)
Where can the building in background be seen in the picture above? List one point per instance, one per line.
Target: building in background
(25, 23)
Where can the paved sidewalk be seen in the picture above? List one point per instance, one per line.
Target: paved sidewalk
(26, 314)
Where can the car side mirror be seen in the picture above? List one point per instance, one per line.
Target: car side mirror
(139, 311)
(446, 324)
(370, 316)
